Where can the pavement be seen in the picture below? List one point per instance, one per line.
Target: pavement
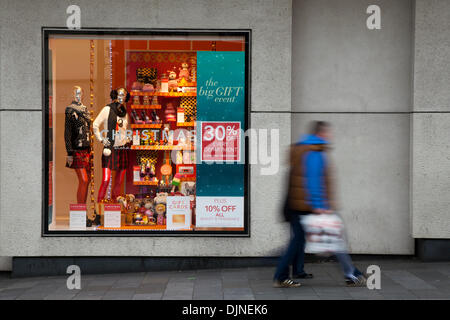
(400, 279)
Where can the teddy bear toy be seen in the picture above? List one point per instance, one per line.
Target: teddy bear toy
(126, 202)
(161, 198)
(130, 218)
(173, 82)
(184, 71)
(160, 202)
(149, 211)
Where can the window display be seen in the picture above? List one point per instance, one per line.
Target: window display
(144, 132)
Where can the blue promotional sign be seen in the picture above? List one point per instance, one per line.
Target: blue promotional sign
(220, 139)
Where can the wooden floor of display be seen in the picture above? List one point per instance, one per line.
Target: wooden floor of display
(139, 228)
(160, 227)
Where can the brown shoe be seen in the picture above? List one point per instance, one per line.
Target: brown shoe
(288, 283)
(359, 281)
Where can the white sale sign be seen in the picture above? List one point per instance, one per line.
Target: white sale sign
(77, 216)
(112, 216)
(222, 212)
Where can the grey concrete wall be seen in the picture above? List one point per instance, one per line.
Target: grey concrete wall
(5, 263)
(21, 114)
(360, 81)
(341, 66)
(430, 148)
(370, 159)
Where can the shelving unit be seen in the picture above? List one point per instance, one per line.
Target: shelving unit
(189, 178)
(186, 124)
(146, 126)
(141, 228)
(146, 186)
(156, 147)
(145, 183)
(164, 94)
(144, 106)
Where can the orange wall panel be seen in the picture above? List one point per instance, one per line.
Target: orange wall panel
(220, 45)
(165, 45)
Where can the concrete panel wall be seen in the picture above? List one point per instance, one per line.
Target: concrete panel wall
(339, 65)
(20, 136)
(360, 81)
(430, 147)
(432, 55)
(370, 158)
(431, 176)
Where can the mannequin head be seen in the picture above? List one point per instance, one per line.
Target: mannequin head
(77, 93)
(120, 95)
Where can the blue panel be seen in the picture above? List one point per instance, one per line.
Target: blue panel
(220, 97)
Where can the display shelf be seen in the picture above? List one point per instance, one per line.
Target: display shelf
(145, 106)
(164, 94)
(144, 227)
(186, 124)
(217, 229)
(146, 126)
(183, 83)
(183, 179)
(129, 227)
(161, 148)
(145, 183)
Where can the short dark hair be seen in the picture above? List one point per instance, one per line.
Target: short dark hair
(318, 127)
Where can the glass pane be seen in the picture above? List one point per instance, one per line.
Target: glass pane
(146, 133)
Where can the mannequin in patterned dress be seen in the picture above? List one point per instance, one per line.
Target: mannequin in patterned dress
(77, 140)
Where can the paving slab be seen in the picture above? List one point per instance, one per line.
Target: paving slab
(408, 280)
(400, 280)
(147, 296)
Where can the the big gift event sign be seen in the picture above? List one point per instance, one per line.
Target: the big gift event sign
(220, 117)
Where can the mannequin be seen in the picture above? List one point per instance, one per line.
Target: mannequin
(114, 119)
(76, 136)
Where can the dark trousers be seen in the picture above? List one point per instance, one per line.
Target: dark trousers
(295, 253)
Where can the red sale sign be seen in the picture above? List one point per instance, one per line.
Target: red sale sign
(221, 141)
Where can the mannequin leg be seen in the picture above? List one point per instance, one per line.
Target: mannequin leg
(105, 182)
(83, 184)
(118, 182)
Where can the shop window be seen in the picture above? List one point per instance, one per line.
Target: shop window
(144, 132)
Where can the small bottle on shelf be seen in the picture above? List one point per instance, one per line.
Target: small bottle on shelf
(155, 118)
(136, 118)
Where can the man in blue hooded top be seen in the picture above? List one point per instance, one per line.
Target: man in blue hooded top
(309, 191)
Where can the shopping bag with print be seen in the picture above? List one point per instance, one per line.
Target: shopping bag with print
(324, 234)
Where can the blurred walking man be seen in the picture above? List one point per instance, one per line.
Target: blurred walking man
(310, 191)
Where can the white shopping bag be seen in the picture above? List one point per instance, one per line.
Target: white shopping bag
(324, 233)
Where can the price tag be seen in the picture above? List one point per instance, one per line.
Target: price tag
(221, 141)
(112, 216)
(77, 217)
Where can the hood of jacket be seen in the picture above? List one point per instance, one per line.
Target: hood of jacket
(313, 141)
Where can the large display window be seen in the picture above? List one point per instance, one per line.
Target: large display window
(144, 132)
